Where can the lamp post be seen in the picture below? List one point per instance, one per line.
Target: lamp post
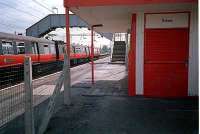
(92, 49)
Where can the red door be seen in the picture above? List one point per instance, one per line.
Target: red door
(166, 59)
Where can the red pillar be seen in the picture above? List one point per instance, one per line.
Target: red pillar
(67, 31)
(132, 59)
(92, 53)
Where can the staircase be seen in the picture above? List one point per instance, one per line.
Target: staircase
(119, 51)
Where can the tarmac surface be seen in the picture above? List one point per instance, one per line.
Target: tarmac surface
(105, 108)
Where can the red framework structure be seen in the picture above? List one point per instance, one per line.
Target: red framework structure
(84, 3)
(83, 7)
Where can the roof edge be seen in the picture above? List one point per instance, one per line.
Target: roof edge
(93, 3)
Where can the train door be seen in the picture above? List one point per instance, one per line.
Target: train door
(86, 51)
(62, 51)
(89, 51)
(37, 55)
(52, 52)
(31, 49)
(44, 52)
(57, 50)
(72, 53)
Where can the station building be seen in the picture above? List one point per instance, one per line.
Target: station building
(163, 41)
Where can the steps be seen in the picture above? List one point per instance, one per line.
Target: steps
(119, 51)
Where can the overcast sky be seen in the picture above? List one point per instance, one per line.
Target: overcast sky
(17, 15)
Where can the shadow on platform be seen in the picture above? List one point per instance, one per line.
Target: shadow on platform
(105, 108)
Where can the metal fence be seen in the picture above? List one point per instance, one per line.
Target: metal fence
(11, 93)
(27, 105)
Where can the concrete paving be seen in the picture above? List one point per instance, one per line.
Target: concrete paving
(12, 98)
(105, 108)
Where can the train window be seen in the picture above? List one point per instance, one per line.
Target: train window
(20, 48)
(77, 50)
(7, 47)
(46, 49)
(41, 49)
(53, 49)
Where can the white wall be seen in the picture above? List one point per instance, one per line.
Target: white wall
(193, 44)
(193, 54)
(139, 52)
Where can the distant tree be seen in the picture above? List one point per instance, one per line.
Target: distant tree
(50, 36)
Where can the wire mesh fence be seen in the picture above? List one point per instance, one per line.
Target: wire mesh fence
(13, 95)
(46, 77)
(48, 86)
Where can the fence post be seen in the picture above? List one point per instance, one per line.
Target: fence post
(67, 80)
(29, 118)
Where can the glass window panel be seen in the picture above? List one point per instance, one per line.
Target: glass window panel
(20, 48)
(7, 47)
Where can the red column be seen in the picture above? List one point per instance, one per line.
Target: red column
(67, 31)
(92, 54)
(132, 59)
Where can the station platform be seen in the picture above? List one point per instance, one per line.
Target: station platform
(106, 108)
(102, 108)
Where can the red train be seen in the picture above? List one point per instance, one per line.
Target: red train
(13, 48)
(47, 57)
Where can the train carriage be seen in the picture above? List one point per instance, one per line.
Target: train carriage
(47, 56)
(13, 48)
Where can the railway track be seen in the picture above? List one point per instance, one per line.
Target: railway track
(13, 75)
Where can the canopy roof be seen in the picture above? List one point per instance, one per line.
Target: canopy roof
(92, 3)
(115, 15)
